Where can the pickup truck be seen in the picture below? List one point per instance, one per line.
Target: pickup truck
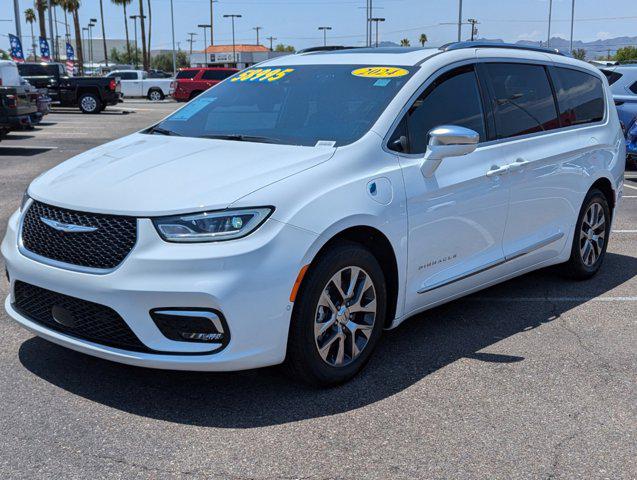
(193, 81)
(16, 109)
(137, 83)
(90, 94)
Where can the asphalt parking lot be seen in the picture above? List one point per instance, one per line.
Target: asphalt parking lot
(535, 378)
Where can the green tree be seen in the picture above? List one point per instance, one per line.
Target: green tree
(579, 53)
(405, 42)
(29, 16)
(4, 55)
(423, 39)
(164, 61)
(284, 48)
(124, 4)
(626, 54)
(123, 56)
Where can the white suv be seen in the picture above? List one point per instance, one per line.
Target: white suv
(297, 209)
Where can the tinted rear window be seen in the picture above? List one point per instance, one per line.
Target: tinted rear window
(31, 70)
(523, 99)
(580, 97)
(612, 76)
(187, 73)
(216, 74)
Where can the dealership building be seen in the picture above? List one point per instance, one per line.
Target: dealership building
(222, 56)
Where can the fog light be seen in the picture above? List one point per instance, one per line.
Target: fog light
(192, 325)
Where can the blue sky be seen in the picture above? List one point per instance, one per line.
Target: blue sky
(295, 22)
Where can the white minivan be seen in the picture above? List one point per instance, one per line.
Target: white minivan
(293, 212)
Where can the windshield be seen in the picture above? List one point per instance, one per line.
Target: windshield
(296, 105)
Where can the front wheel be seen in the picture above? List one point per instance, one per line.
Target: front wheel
(338, 316)
(591, 237)
(90, 103)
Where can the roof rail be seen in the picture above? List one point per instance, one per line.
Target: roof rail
(460, 45)
(328, 48)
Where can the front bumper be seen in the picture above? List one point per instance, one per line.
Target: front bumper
(249, 280)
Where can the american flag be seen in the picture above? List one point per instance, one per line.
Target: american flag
(70, 57)
(16, 49)
(45, 53)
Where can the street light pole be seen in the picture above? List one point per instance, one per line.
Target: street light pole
(212, 22)
(376, 20)
(572, 23)
(18, 26)
(134, 18)
(234, 53)
(172, 21)
(460, 20)
(325, 29)
(548, 40)
(257, 30)
(51, 28)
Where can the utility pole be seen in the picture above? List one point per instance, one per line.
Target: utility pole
(572, 23)
(460, 20)
(325, 29)
(548, 40)
(18, 26)
(134, 18)
(474, 30)
(376, 20)
(257, 30)
(190, 40)
(271, 39)
(51, 27)
(212, 22)
(205, 43)
(172, 21)
(232, 16)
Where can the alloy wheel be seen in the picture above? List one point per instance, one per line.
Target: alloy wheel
(592, 234)
(345, 316)
(89, 104)
(155, 96)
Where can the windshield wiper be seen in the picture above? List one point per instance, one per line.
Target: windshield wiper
(237, 137)
(162, 131)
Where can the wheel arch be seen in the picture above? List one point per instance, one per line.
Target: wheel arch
(379, 245)
(604, 185)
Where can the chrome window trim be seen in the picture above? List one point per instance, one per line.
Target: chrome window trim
(63, 265)
(474, 61)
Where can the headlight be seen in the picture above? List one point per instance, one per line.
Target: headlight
(211, 226)
(25, 199)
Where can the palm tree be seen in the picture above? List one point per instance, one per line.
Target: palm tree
(143, 34)
(103, 33)
(40, 6)
(72, 6)
(29, 16)
(423, 39)
(124, 3)
(150, 19)
(405, 42)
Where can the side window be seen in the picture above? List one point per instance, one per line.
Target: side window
(523, 99)
(612, 76)
(128, 76)
(453, 99)
(633, 88)
(215, 75)
(580, 97)
(187, 73)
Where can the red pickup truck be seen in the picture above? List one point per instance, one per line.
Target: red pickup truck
(190, 82)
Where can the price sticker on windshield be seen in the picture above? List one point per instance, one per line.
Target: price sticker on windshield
(262, 75)
(380, 72)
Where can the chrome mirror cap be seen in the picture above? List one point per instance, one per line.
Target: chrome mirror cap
(448, 141)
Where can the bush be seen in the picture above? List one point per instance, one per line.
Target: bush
(626, 54)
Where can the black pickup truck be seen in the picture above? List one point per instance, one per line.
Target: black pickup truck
(91, 94)
(16, 109)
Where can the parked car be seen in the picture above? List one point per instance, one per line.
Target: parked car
(41, 98)
(631, 144)
(295, 211)
(137, 83)
(191, 82)
(9, 76)
(17, 109)
(90, 94)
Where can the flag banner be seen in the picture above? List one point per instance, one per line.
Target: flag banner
(70, 59)
(16, 49)
(45, 53)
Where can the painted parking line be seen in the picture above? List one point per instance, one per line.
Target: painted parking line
(551, 299)
(629, 196)
(29, 147)
(630, 186)
(624, 231)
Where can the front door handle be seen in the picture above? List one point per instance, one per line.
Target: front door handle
(495, 170)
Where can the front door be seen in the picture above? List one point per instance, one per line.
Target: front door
(457, 217)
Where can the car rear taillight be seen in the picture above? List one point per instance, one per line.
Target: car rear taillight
(112, 85)
(11, 101)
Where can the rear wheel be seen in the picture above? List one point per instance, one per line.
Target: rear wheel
(155, 95)
(591, 237)
(338, 316)
(90, 103)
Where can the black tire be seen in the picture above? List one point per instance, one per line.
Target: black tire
(303, 361)
(90, 103)
(195, 94)
(631, 162)
(155, 91)
(577, 267)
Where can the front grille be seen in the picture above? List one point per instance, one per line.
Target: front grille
(104, 248)
(75, 317)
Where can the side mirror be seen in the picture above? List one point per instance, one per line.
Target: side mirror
(448, 141)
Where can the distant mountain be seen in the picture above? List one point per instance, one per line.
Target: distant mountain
(594, 49)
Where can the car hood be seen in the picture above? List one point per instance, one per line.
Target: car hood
(149, 175)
